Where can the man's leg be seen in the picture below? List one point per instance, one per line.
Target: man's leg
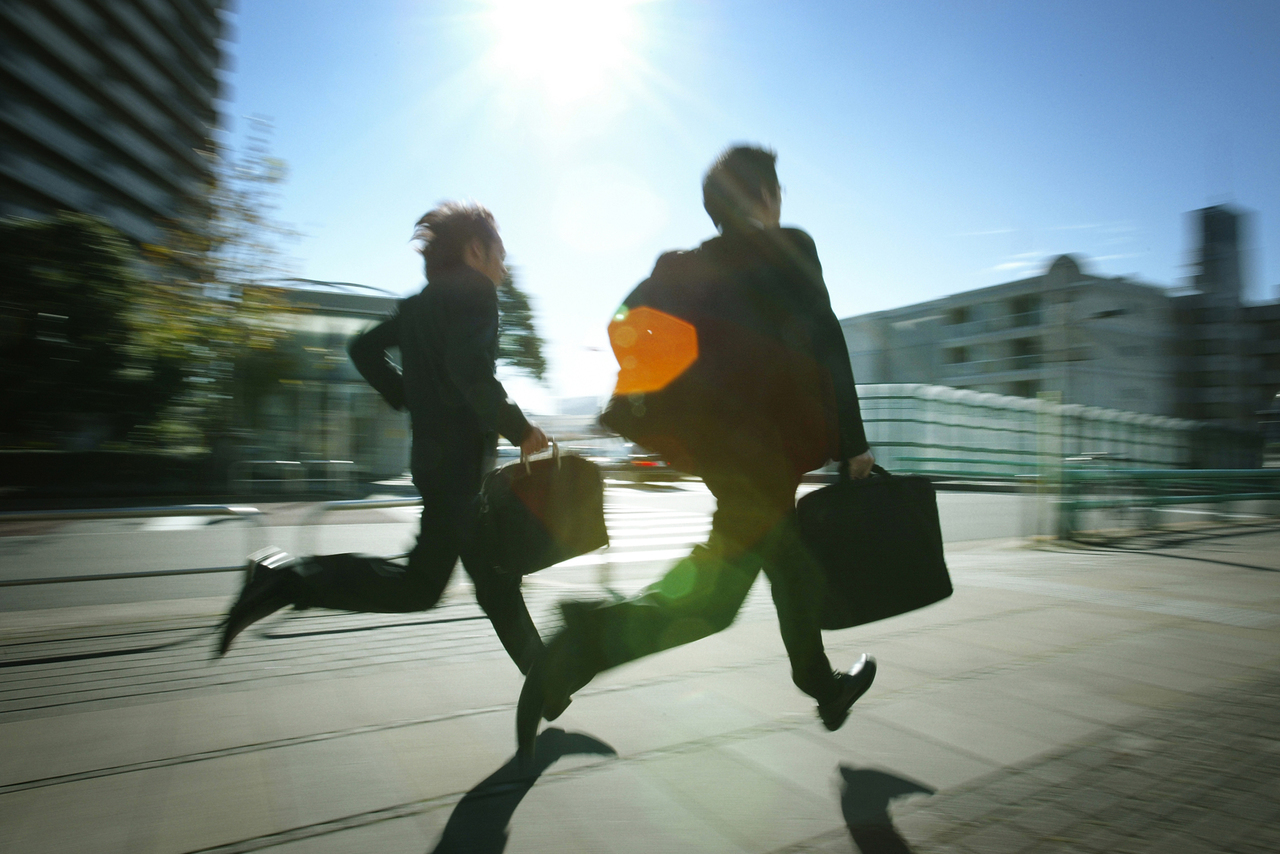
(698, 597)
(796, 582)
(356, 582)
(500, 598)
(798, 586)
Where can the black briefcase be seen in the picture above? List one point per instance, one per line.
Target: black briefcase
(536, 513)
(880, 546)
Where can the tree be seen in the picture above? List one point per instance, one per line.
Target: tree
(519, 344)
(76, 370)
(212, 307)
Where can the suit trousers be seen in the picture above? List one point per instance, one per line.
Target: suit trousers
(450, 509)
(753, 529)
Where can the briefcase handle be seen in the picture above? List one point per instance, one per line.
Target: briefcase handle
(843, 471)
(555, 455)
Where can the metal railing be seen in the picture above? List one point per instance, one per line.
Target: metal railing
(917, 420)
(1130, 498)
(249, 514)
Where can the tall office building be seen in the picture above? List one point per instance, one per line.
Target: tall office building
(107, 107)
(1215, 364)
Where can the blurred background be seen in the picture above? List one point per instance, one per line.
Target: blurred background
(1047, 229)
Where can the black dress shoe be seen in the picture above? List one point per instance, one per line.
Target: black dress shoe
(545, 695)
(269, 585)
(852, 686)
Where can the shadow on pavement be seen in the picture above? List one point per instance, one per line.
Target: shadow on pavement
(479, 822)
(865, 803)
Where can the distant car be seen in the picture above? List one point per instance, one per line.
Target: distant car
(638, 464)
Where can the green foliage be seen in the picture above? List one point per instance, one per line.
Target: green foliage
(212, 308)
(104, 345)
(76, 371)
(519, 344)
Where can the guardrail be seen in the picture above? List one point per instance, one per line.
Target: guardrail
(1135, 494)
(251, 514)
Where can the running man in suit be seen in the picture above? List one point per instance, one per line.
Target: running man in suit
(448, 340)
(769, 395)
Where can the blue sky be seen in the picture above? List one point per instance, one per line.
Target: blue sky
(928, 147)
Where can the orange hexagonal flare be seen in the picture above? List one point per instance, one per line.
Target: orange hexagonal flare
(652, 348)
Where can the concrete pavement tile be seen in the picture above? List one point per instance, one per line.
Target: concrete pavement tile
(975, 697)
(1179, 652)
(924, 653)
(422, 689)
(1067, 626)
(1039, 686)
(867, 742)
(958, 607)
(327, 780)
(973, 734)
(991, 633)
(303, 708)
(91, 816)
(765, 692)
(1045, 820)
(1015, 788)
(208, 722)
(693, 709)
(638, 720)
(404, 834)
(476, 683)
(919, 825)
(210, 803)
(1116, 686)
(893, 674)
(1190, 677)
(449, 756)
(620, 810)
(999, 838)
(754, 809)
(65, 744)
(801, 763)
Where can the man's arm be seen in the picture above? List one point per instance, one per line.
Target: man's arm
(833, 354)
(470, 337)
(368, 351)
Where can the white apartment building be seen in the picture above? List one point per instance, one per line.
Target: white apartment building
(1085, 339)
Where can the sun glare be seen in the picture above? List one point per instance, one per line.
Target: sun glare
(566, 50)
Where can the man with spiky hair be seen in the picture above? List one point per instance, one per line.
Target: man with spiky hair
(448, 340)
(763, 393)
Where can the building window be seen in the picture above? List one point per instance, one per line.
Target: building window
(1024, 354)
(958, 315)
(957, 355)
(1024, 310)
(1025, 388)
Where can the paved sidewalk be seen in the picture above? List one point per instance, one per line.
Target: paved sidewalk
(1063, 700)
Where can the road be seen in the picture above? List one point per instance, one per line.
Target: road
(640, 522)
(1064, 699)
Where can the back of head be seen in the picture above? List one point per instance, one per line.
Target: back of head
(736, 181)
(446, 230)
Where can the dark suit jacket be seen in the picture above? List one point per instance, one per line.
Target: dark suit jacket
(448, 340)
(772, 374)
